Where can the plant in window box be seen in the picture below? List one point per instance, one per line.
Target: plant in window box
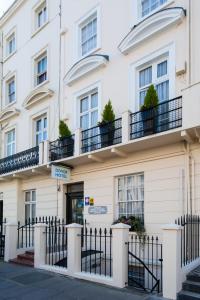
(136, 224)
(149, 111)
(66, 141)
(107, 126)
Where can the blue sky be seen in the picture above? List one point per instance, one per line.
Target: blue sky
(4, 4)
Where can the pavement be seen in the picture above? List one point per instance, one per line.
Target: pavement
(20, 282)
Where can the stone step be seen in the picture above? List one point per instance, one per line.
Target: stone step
(194, 275)
(26, 256)
(186, 295)
(191, 286)
(30, 252)
(23, 262)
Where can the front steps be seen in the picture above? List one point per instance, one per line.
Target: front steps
(26, 259)
(191, 287)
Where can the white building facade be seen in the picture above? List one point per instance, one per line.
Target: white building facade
(64, 61)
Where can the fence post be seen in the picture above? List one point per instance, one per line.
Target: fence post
(46, 155)
(77, 142)
(125, 126)
(39, 244)
(171, 260)
(74, 248)
(10, 241)
(41, 153)
(120, 234)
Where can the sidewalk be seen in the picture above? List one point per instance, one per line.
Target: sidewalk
(18, 282)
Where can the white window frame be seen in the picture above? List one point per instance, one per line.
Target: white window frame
(30, 203)
(126, 201)
(8, 81)
(36, 10)
(80, 24)
(43, 130)
(81, 94)
(37, 58)
(90, 109)
(11, 143)
(8, 37)
(167, 51)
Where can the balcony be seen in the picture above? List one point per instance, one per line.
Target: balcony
(61, 148)
(100, 137)
(21, 160)
(165, 116)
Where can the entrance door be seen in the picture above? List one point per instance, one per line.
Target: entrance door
(74, 203)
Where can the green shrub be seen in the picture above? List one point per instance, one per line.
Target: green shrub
(108, 114)
(151, 98)
(135, 223)
(64, 130)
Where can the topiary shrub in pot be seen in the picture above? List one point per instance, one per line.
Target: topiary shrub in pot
(66, 140)
(107, 126)
(149, 111)
(136, 224)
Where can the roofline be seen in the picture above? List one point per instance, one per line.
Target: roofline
(10, 11)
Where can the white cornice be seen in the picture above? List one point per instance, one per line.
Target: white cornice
(37, 96)
(8, 113)
(85, 66)
(11, 10)
(152, 25)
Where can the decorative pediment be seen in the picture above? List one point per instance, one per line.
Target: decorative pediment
(152, 25)
(8, 113)
(37, 96)
(85, 66)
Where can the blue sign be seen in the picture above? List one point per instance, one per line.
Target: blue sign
(60, 173)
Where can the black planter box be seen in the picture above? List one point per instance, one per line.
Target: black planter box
(107, 132)
(150, 120)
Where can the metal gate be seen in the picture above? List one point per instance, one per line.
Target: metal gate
(145, 263)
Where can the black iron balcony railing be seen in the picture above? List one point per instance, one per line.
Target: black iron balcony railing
(21, 160)
(61, 148)
(102, 136)
(165, 116)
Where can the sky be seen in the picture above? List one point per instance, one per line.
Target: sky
(4, 4)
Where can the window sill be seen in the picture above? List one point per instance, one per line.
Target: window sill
(93, 51)
(9, 56)
(10, 104)
(41, 84)
(39, 29)
(165, 5)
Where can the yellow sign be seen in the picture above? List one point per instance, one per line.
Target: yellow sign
(91, 201)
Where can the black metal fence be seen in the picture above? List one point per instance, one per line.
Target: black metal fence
(145, 263)
(21, 160)
(61, 148)
(190, 238)
(2, 237)
(102, 136)
(56, 244)
(165, 116)
(25, 231)
(96, 252)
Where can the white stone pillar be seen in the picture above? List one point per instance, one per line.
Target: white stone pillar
(171, 261)
(10, 241)
(120, 234)
(41, 153)
(46, 154)
(39, 244)
(74, 248)
(126, 126)
(77, 142)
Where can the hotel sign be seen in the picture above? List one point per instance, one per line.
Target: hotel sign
(60, 173)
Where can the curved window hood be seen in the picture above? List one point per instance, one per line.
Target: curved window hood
(85, 66)
(8, 113)
(155, 23)
(36, 96)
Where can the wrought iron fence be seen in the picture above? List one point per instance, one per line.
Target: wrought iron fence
(21, 160)
(165, 116)
(96, 251)
(25, 231)
(102, 136)
(62, 148)
(56, 244)
(190, 238)
(145, 263)
(2, 237)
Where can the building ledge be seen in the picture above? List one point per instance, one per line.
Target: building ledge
(150, 26)
(37, 96)
(8, 113)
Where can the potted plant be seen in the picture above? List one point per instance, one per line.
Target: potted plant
(66, 141)
(136, 224)
(107, 126)
(149, 111)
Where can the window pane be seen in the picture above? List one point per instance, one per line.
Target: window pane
(27, 211)
(150, 5)
(94, 118)
(39, 125)
(33, 211)
(33, 196)
(84, 121)
(162, 69)
(145, 77)
(27, 196)
(163, 91)
(84, 105)
(88, 36)
(94, 100)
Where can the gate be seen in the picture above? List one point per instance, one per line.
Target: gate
(145, 263)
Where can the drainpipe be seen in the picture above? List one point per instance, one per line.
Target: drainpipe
(188, 208)
(1, 86)
(190, 43)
